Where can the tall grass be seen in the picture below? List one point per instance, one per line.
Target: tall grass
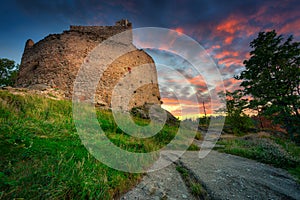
(42, 156)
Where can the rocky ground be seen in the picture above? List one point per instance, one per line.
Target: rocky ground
(223, 176)
(163, 184)
(38, 89)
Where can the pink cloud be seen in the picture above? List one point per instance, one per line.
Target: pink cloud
(230, 25)
(179, 30)
(292, 27)
(228, 40)
(231, 61)
(226, 53)
(198, 81)
(235, 25)
(232, 84)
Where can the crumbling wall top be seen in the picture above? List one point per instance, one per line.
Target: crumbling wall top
(29, 44)
(119, 26)
(124, 23)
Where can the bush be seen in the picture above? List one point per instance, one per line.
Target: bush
(239, 124)
(8, 72)
(262, 149)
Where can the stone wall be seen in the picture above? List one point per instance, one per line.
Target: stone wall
(55, 61)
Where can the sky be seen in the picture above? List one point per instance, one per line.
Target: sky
(223, 28)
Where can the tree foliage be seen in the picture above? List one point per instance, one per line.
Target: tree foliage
(237, 120)
(8, 72)
(272, 77)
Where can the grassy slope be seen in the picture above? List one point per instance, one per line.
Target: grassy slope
(42, 156)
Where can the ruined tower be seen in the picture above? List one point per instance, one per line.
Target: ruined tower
(55, 61)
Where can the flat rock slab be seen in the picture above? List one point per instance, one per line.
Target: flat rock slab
(223, 176)
(226, 176)
(162, 184)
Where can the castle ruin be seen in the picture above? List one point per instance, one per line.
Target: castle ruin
(55, 61)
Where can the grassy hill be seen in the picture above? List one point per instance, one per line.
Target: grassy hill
(42, 156)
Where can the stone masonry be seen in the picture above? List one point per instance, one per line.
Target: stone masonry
(55, 61)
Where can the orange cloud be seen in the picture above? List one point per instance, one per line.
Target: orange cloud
(188, 107)
(228, 40)
(232, 84)
(195, 110)
(226, 53)
(212, 48)
(216, 47)
(176, 107)
(163, 42)
(173, 101)
(235, 26)
(247, 56)
(230, 25)
(198, 81)
(179, 30)
(231, 61)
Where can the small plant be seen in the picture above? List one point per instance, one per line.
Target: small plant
(51, 95)
(237, 121)
(182, 171)
(197, 189)
(193, 147)
(199, 136)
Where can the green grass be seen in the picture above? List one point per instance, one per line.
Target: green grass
(42, 156)
(197, 189)
(184, 172)
(194, 186)
(193, 147)
(199, 136)
(278, 152)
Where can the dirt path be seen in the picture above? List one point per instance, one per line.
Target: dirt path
(223, 176)
(163, 184)
(231, 177)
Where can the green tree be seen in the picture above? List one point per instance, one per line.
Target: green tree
(272, 77)
(8, 72)
(236, 119)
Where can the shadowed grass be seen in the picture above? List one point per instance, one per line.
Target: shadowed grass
(194, 186)
(42, 156)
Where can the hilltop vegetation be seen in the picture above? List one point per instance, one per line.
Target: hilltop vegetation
(271, 79)
(8, 72)
(42, 156)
